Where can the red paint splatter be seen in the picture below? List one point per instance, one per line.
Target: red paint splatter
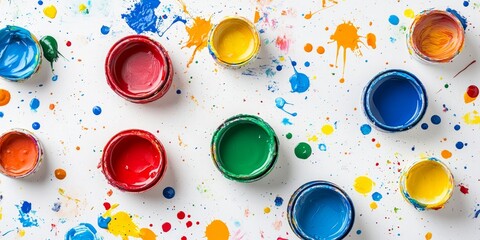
(283, 43)
(166, 227)
(183, 238)
(151, 224)
(376, 164)
(181, 215)
(189, 224)
(279, 238)
(198, 223)
(69, 43)
(463, 189)
(373, 139)
(188, 216)
(110, 192)
(106, 205)
(472, 91)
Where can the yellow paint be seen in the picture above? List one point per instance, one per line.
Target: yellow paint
(472, 118)
(21, 232)
(373, 205)
(312, 138)
(4, 97)
(327, 129)
(50, 11)
(266, 210)
(467, 98)
(122, 225)
(217, 230)
(428, 236)
(82, 8)
(256, 16)
(363, 185)
(61, 191)
(409, 13)
(1, 213)
(429, 183)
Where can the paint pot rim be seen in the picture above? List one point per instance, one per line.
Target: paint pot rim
(228, 20)
(379, 79)
(273, 143)
(110, 148)
(423, 205)
(424, 16)
(36, 60)
(39, 158)
(320, 184)
(165, 77)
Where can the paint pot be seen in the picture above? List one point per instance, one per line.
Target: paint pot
(244, 148)
(20, 53)
(320, 210)
(427, 184)
(134, 160)
(84, 231)
(20, 153)
(234, 41)
(394, 100)
(436, 36)
(138, 69)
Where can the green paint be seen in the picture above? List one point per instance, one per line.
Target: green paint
(50, 49)
(395, 209)
(244, 148)
(289, 136)
(446, 85)
(303, 150)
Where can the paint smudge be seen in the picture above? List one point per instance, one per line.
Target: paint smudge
(280, 103)
(283, 43)
(121, 224)
(376, 196)
(217, 230)
(26, 215)
(394, 20)
(327, 129)
(50, 11)
(97, 110)
(471, 94)
(278, 201)
(4, 97)
(286, 122)
(472, 118)
(365, 129)
(465, 68)
(50, 49)
(34, 104)
(363, 185)
(142, 17)
(83, 231)
(428, 236)
(463, 189)
(168, 192)
(60, 173)
(303, 150)
(299, 81)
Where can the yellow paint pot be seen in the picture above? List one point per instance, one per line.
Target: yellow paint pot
(234, 41)
(427, 184)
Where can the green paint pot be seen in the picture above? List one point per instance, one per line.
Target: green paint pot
(244, 148)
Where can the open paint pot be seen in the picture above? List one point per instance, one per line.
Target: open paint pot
(20, 53)
(436, 36)
(234, 41)
(138, 69)
(395, 100)
(427, 184)
(320, 210)
(244, 148)
(134, 160)
(20, 153)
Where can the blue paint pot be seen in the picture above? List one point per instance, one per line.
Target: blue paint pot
(395, 100)
(320, 210)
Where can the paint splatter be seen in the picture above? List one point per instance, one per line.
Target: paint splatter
(466, 3)
(299, 81)
(34, 104)
(278, 201)
(459, 145)
(283, 43)
(322, 147)
(168, 192)
(465, 68)
(26, 215)
(217, 230)
(36, 125)
(280, 103)
(105, 30)
(327, 129)
(50, 11)
(142, 16)
(472, 118)
(373, 205)
(372, 40)
(83, 231)
(320, 50)
(286, 122)
(50, 49)
(363, 185)
(60, 173)
(289, 135)
(4, 97)
(409, 13)
(97, 110)
(428, 236)
(303, 150)
(394, 20)
(376, 196)
(166, 227)
(436, 119)
(366, 129)
(463, 189)
(446, 154)
(121, 224)
(82, 8)
(266, 210)
(471, 94)
(56, 206)
(308, 47)
(325, 5)
(461, 18)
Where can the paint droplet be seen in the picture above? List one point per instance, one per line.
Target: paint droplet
(373, 205)
(107, 205)
(266, 210)
(55, 78)
(424, 126)
(51, 106)
(303, 150)
(376, 196)
(320, 50)
(457, 127)
(168, 192)
(299, 81)
(36, 126)
(446, 154)
(105, 30)
(278, 201)
(327, 129)
(394, 20)
(409, 13)
(4, 97)
(289, 136)
(40, 2)
(217, 230)
(83, 8)
(363, 185)
(188, 224)
(60, 173)
(2, 114)
(307, 64)
(56, 206)
(372, 40)
(359, 232)
(463, 189)
(50, 11)
(181, 215)
(97, 110)
(459, 145)
(366, 129)
(179, 91)
(428, 236)
(166, 227)
(34, 104)
(436, 119)
(308, 47)
(77, 148)
(322, 147)
(466, 3)
(471, 94)
(50, 49)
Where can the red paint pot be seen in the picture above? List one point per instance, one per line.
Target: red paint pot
(134, 160)
(138, 69)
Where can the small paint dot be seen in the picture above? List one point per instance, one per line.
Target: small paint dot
(183, 238)
(107, 205)
(446, 85)
(366, 129)
(1, 114)
(409, 13)
(68, 43)
(394, 20)
(472, 91)
(105, 30)
(179, 91)
(373, 205)
(166, 227)
(308, 47)
(459, 145)
(189, 224)
(4, 97)
(359, 232)
(428, 236)
(60, 174)
(466, 3)
(34, 104)
(376, 196)
(320, 50)
(181, 215)
(279, 68)
(278, 201)
(322, 147)
(36, 126)
(266, 210)
(51, 106)
(168, 193)
(77, 148)
(436, 119)
(289, 136)
(446, 154)
(55, 78)
(40, 3)
(303, 150)
(342, 80)
(424, 126)
(307, 64)
(294, 63)
(457, 127)
(97, 110)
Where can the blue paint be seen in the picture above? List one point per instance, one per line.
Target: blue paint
(1, 114)
(366, 129)
(278, 201)
(26, 207)
(56, 206)
(97, 110)
(466, 3)
(270, 73)
(84, 231)
(168, 193)
(36, 126)
(179, 91)
(307, 64)
(299, 81)
(459, 145)
(359, 232)
(142, 16)
(20, 53)
(376, 196)
(103, 222)
(461, 18)
(55, 78)
(424, 126)
(394, 20)
(395, 100)
(456, 127)
(286, 122)
(322, 147)
(40, 2)
(280, 103)
(279, 68)
(105, 30)
(477, 214)
(25, 215)
(34, 104)
(320, 210)
(436, 119)
(7, 232)
(177, 19)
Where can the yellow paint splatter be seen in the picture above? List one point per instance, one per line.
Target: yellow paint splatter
(83, 8)
(266, 210)
(472, 118)
(428, 236)
(61, 191)
(4, 97)
(327, 129)
(217, 230)
(1, 213)
(373, 205)
(409, 13)
(21, 232)
(121, 224)
(312, 138)
(363, 185)
(50, 11)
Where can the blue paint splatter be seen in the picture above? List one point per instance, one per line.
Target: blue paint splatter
(34, 104)
(103, 222)
(279, 68)
(394, 20)
(168, 192)
(40, 3)
(307, 64)
(436, 119)
(269, 72)
(84, 231)
(424, 126)
(366, 129)
(177, 19)
(286, 121)
(280, 103)
(179, 91)
(459, 145)
(461, 18)
(25, 215)
(142, 17)
(1, 114)
(56, 206)
(105, 30)
(359, 232)
(26, 207)
(299, 81)
(477, 214)
(36, 126)
(393, 40)
(457, 127)
(55, 78)
(376, 196)
(97, 110)
(278, 201)
(466, 3)
(322, 147)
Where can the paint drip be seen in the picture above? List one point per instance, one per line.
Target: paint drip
(50, 49)
(299, 81)
(280, 103)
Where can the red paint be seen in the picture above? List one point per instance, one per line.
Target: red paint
(69, 43)
(279, 238)
(198, 223)
(134, 160)
(189, 224)
(106, 205)
(181, 215)
(20, 153)
(139, 69)
(463, 189)
(472, 91)
(166, 227)
(183, 238)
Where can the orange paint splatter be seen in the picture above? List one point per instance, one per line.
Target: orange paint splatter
(325, 5)
(77, 148)
(320, 50)
(372, 40)
(60, 173)
(217, 230)
(428, 236)
(467, 98)
(283, 43)
(4, 97)
(110, 192)
(342, 80)
(256, 17)
(308, 47)
(51, 106)
(446, 154)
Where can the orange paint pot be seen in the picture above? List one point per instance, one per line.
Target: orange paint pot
(20, 153)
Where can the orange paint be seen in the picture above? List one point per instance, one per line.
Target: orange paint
(320, 50)
(468, 99)
(324, 6)
(372, 40)
(4, 97)
(19, 154)
(60, 173)
(428, 236)
(308, 47)
(446, 154)
(217, 230)
(77, 148)
(51, 106)
(256, 17)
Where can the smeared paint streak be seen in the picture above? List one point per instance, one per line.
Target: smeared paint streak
(50, 11)
(278, 201)
(299, 81)
(471, 94)
(303, 150)
(472, 118)
(280, 103)
(177, 19)
(121, 224)
(283, 43)
(142, 17)
(26, 215)
(217, 230)
(461, 18)
(465, 68)
(34, 104)
(366, 129)
(50, 49)
(363, 185)
(428, 236)
(463, 189)
(477, 214)
(327, 129)
(310, 14)
(286, 121)
(168, 193)
(376, 196)
(62, 193)
(4, 97)
(84, 231)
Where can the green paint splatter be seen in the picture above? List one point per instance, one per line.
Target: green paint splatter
(446, 85)
(289, 136)
(395, 209)
(303, 150)
(50, 49)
